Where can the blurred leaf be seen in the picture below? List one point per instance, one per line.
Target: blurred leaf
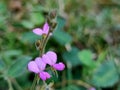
(104, 18)
(101, 56)
(60, 23)
(37, 18)
(72, 56)
(11, 53)
(105, 75)
(22, 79)
(85, 57)
(62, 37)
(29, 37)
(3, 8)
(27, 24)
(2, 64)
(72, 87)
(2, 23)
(19, 66)
(118, 87)
(59, 35)
(53, 76)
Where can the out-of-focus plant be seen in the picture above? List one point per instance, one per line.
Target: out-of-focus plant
(86, 39)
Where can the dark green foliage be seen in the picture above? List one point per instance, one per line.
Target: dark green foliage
(18, 67)
(72, 56)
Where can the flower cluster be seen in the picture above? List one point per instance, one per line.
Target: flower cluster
(39, 64)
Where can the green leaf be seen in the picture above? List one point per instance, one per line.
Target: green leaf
(60, 22)
(72, 87)
(102, 56)
(105, 75)
(72, 56)
(19, 66)
(12, 53)
(27, 24)
(61, 36)
(37, 18)
(29, 37)
(9, 55)
(85, 57)
(3, 8)
(118, 88)
(2, 64)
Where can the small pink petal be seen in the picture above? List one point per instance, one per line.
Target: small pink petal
(52, 56)
(38, 31)
(60, 66)
(32, 66)
(41, 65)
(44, 75)
(92, 88)
(47, 60)
(45, 28)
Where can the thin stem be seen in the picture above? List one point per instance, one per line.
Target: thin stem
(46, 86)
(34, 82)
(18, 87)
(41, 49)
(9, 83)
(44, 43)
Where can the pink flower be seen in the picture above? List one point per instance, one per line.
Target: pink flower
(92, 88)
(39, 31)
(51, 58)
(38, 67)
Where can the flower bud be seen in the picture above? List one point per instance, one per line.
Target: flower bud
(48, 20)
(53, 14)
(37, 44)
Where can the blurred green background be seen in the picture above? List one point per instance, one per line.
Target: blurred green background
(86, 39)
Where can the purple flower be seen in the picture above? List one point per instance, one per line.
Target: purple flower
(38, 67)
(39, 31)
(92, 88)
(51, 58)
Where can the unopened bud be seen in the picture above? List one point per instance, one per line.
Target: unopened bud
(37, 44)
(53, 14)
(48, 20)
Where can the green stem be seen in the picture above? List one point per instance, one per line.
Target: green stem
(9, 83)
(34, 83)
(44, 43)
(18, 87)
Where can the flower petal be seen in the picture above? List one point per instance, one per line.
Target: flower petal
(32, 66)
(45, 28)
(47, 60)
(38, 31)
(41, 65)
(52, 56)
(60, 66)
(44, 75)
